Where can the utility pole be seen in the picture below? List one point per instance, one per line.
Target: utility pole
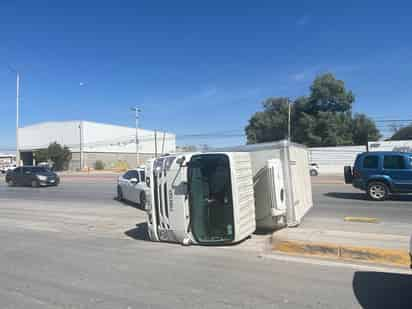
(137, 111)
(289, 112)
(17, 118)
(17, 115)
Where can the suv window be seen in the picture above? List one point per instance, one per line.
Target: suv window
(394, 162)
(371, 162)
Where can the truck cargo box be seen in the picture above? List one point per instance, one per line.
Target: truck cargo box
(272, 211)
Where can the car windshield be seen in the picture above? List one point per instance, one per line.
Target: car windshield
(39, 169)
(210, 199)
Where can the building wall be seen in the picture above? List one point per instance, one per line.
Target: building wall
(331, 160)
(402, 146)
(40, 135)
(108, 158)
(105, 142)
(111, 138)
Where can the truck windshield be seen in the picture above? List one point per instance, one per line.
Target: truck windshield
(210, 200)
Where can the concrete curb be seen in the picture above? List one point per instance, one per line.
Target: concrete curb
(343, 252)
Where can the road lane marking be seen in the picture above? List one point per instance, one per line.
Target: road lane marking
(361, 219)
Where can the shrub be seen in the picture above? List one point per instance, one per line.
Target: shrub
(99, 165)
(121, 166)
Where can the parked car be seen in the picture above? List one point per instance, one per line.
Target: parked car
(131, 187)
(34, 176)
(313, 169)
(380, 174)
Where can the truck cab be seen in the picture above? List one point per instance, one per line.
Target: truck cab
(200, 198)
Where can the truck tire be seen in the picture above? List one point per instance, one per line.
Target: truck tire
(119, 194)
(377, 191)
(142, 200)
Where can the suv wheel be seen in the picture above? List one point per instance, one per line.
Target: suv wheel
(378, 191)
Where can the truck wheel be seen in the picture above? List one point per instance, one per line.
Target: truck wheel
(142, 200)
(378, 191)
(119, 194)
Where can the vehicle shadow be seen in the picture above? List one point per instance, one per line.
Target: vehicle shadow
(127, 203)
(140, 232)
(364, 197)
(382, 290)
(347, 195)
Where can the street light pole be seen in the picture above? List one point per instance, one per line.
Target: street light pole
(17, 117)
(289, 112)
(137, 111)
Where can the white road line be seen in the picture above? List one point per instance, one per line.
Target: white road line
(326, 263)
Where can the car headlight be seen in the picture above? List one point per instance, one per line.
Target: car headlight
(41, 177)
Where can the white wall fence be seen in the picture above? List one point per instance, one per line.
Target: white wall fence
(331, 160)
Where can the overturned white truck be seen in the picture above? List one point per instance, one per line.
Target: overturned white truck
(221, 197)
(282, 184)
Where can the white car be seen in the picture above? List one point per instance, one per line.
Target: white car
(131, 187)
(314, 169)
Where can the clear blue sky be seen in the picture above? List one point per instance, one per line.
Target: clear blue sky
(197, 66)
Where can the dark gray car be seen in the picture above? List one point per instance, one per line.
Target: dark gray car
(34, 176)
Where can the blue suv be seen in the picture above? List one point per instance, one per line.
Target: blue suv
(381, 173)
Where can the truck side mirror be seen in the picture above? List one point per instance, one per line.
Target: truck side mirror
(181, 160)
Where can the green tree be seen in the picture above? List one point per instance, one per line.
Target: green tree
(59, 155)
(321, 119)
(41, 155)
(404, 133)
(364, 130)
(329, 94)
(99, 165)
(271, 124)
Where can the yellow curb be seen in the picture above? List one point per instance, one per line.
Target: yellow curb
(361, 219)
(366, 254)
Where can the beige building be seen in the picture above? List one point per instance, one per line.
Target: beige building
(91, 141)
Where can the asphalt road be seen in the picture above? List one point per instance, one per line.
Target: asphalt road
(334, 202)
(53, 270)
(75, 246)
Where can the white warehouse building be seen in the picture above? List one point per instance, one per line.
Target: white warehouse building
(91, 141)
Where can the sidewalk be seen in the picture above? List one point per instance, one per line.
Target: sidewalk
(343, 245)
(328, 179)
